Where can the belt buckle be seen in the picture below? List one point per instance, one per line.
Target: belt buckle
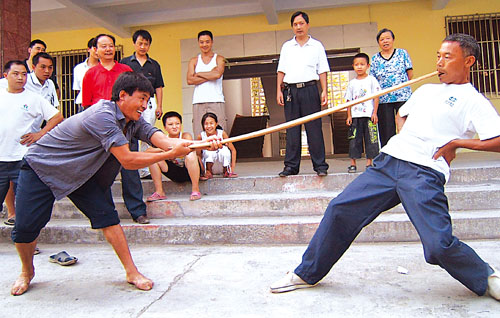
(300, 85)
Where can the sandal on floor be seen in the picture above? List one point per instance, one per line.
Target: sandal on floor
(208, 175)
(230, 175)
(155, 197)
(10, 222)
(63, 259)
(351, 169)
(195, 195)
(37, 251)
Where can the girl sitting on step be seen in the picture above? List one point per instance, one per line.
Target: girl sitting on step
(219, 161)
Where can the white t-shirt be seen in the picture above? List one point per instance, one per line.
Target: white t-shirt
(437, 114)
(78, 73)
(18, 113)
(302, 63)
(359, 88)
(210, 91)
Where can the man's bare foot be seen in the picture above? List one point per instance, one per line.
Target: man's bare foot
(22, 284)
(140, 281)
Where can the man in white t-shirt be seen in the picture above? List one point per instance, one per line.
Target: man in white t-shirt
(80, 69)
(205, 71)
(412, 169)
(19, 108)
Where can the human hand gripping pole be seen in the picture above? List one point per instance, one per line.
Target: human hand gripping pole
(316, 115)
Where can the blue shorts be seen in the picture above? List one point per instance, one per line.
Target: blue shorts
(9, 171)
(34, 203)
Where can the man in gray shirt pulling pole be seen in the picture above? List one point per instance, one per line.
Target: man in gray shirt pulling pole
(80, 159)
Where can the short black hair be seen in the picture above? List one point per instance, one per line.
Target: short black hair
(100, 36)
(37, 41)
(90, 43)
(131, 82)
(362, 55)
(42, 55)
(206, 32)
(467, 43)
(9, 64)
(144, 34)
(296, 14)
(167, 115)
(383, 31)
(209, 114)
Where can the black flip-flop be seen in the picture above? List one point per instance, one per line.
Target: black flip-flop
(10, 222)
(63, 259)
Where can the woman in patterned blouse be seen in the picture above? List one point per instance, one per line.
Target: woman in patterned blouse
(391, 66)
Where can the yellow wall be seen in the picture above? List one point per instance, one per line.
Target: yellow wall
(417, 27)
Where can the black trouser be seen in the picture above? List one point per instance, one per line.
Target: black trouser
(304, 101)
(387, 121)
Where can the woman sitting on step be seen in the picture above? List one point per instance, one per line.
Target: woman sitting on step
(222, 160)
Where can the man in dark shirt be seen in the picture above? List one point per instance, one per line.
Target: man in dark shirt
(140, 62)
(97, 84)
(95, 141)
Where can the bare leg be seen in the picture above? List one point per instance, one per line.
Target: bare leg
(155, 171)
(369, 162)
(25, 251)
(115, 236)
(209, 168)
(9, 201)
(353, 162)
(194, 171)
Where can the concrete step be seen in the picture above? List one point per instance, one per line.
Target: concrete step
(388, 227)
(302, 182)
(474, 196)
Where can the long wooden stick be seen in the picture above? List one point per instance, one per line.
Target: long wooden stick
(316, 115)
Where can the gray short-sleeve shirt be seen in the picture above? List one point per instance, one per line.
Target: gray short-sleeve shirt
(75, 150)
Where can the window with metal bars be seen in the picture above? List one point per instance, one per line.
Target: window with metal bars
(485, 28)
(64, 62)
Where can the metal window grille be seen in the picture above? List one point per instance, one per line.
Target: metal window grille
(485, 28)
(258, 98)
(64, 62)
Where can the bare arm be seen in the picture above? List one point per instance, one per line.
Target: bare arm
(279, 93)
(192, 79)
(410, 74)
(448, 151)
(375, 109)
(30, 138)
(324, 90)
(159, 102)
(216, 72)
(400, 121)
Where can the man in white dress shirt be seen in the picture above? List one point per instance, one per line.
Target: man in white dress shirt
(302, 63)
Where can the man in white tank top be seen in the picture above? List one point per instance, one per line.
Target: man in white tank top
(205, 72)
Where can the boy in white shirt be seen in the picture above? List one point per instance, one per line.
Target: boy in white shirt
(362, 118)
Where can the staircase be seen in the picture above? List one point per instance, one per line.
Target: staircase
(267, 209)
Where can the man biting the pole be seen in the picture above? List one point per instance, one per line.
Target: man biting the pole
(80, 159)
(412, 169)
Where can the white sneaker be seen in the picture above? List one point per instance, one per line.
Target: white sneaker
(288, 283)
(494, 284)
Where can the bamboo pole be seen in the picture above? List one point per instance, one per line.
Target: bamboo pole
(316, 115)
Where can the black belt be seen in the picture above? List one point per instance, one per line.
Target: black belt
(300, 85)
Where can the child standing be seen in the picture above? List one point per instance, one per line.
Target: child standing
(213, 160)
(362, 118)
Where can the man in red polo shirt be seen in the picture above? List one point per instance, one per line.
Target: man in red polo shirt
(97, 84)
(99, 80)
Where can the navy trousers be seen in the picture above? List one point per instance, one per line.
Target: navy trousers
(389, 182)
(304, 101)
(132, 188)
